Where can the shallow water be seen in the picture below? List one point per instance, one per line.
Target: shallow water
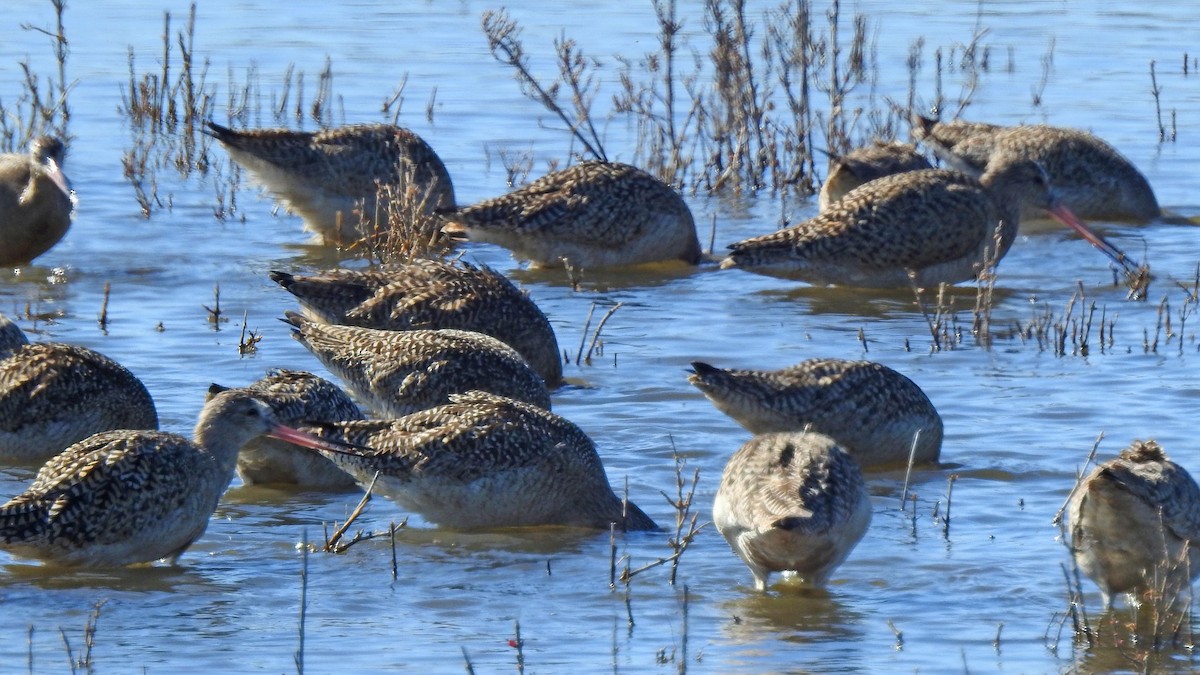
(1019, 420)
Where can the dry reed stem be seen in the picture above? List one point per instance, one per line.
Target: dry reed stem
(599, 327)
(912, 456)
(332, 544)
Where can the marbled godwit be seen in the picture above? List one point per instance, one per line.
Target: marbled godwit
(593, 214)
(401, 372)
(331, 178)
(52, 395)
(792, 502)
(36, 201)
(1135, 525)
(873, 412)
(126, 497)
(485, 461)
(862, 165)
(295, 397)
(1089, 176)
(432, 294)
(939, 226)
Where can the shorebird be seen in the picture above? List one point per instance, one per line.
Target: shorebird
(401, 372)
(1135, 525)
(484, 461)
(432, 294)
(593, 214)
(53, 394)
(925, 227)
(792, 502)
(332, 178)
(36, 201)
(126, 497)
(862, 165)
(1089, 176)
(295, 397)
(875, 413)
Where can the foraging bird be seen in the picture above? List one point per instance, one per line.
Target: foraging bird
(295, 397)
(592, 214)
(1135, 525)
(925, 227)
(432, 294)
(862, 165)
(126, 497)
(484, 461)
(875, 413)
(36, 201)
(54, 394)
(792, 502)
(401, 372)
(1089, 176)
(332, 178)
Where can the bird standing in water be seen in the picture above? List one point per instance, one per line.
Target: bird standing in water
(37, 203)
(593, 214)
(1135, 525)
(126, 497)
(925, 227)
(332, 178)
(1089, 176)
(792, 502)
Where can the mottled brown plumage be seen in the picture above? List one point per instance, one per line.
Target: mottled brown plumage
(1089, 176)
(330, 178)
(862, 165)
(1135, 525)
(872, 411)
(36, 201)
(792, 502)
(937, 226)
(126, 497)
(295, 397)
(432, 294)
(485, 461)
(401, 372)
(593, 214)
(53, 394)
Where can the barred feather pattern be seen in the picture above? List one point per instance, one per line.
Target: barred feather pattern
(432, 294)
(792, 502)
(401, 372)
(485, 461)
(873, 412)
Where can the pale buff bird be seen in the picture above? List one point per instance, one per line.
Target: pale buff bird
(792, 502)
(484, 461)
(926, 227)
(432, 294)
(126, 497)
(295, 397)
(331, 178)
(865, 164)
(1135, 525)
(36, 201)
(593, 214)
(1089, 176)
(54, 394)
(875, 413)
(401, 372)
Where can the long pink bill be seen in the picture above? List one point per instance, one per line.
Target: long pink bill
(285, 433)
(1063, 215)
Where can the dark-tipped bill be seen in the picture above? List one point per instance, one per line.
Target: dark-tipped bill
(1063, 215)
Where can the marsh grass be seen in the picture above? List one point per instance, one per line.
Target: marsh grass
(42, 106)
(749, 111)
